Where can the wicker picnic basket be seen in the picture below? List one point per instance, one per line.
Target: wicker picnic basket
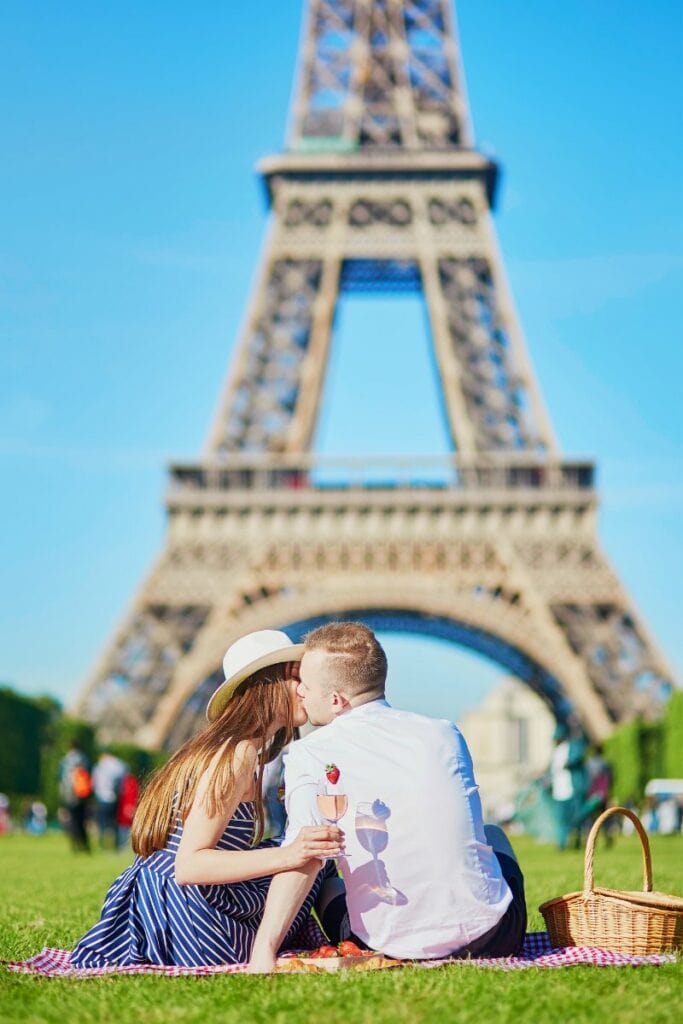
(635, 923)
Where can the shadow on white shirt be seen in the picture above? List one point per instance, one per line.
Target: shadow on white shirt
(370, 881)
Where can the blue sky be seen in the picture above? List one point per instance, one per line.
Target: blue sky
(130, 227)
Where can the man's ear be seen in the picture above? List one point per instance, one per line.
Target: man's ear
(339, 703)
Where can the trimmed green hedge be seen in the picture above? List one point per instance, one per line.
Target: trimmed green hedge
(35, 735)
(141, 762)
(622, 750)
(24, 724)
(673, 738)
(639, 751)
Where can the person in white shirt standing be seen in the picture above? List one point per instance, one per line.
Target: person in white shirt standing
(424, 877)
(107, 776)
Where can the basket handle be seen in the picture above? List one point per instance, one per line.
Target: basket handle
(590, 845)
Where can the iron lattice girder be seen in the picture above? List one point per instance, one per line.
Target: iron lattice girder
(440, 235)
(138, 670)
(379, 74)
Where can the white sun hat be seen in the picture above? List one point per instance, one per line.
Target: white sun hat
(247, 655)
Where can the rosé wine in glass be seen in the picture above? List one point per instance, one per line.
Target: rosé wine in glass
(332, 806)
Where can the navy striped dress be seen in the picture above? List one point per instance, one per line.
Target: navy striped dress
(148, 918)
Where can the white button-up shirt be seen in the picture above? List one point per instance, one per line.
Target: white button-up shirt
(420, 879)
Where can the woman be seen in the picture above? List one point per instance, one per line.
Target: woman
(196, 891)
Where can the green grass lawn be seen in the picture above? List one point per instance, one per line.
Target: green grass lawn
(49, 897)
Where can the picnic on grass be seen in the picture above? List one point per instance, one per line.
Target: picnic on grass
(385, 858)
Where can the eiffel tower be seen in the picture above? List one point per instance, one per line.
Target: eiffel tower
(380, 188)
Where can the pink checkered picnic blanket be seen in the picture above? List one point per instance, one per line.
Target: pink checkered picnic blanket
(536, 952)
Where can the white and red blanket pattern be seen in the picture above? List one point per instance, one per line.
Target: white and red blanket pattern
(536, 952)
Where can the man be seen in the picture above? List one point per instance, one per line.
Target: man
(75, 788)
(422, 880)
(568, 784)
(107, 777)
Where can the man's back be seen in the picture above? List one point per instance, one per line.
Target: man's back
(420, 879)
(107, 776)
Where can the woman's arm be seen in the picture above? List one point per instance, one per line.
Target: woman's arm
(286, 894)
(198, 862)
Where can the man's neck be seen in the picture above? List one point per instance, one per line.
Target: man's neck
(359, 702)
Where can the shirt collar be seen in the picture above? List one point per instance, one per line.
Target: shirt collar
(380, 702)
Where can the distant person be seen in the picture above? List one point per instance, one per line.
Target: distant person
(568, 784)
(600, 776)
(107, 777)
(37, 821)
(129, 791)
(650, 815)
(273, 798)
(668, 816)
(25, 814)
(5, 820)
(274, 794)
(75, 790)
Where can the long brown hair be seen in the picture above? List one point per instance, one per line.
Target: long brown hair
(257, 703)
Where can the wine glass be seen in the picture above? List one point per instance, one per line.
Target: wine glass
(332, 805)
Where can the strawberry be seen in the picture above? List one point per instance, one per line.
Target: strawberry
(348, 948)
(332, 774)
(324, 953)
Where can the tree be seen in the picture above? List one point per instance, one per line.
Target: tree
(25, 723)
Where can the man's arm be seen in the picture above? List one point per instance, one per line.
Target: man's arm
(289, 889)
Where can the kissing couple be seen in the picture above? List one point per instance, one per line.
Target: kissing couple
(382, 797)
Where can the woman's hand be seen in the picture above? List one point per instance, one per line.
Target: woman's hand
(319, 841)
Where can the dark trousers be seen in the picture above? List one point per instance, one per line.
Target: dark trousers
(507, 938)
(105, 814)
(76, 826)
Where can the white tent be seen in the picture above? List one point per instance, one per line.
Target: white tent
(664, 787)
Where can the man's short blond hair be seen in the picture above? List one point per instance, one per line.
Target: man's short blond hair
(360, 663)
